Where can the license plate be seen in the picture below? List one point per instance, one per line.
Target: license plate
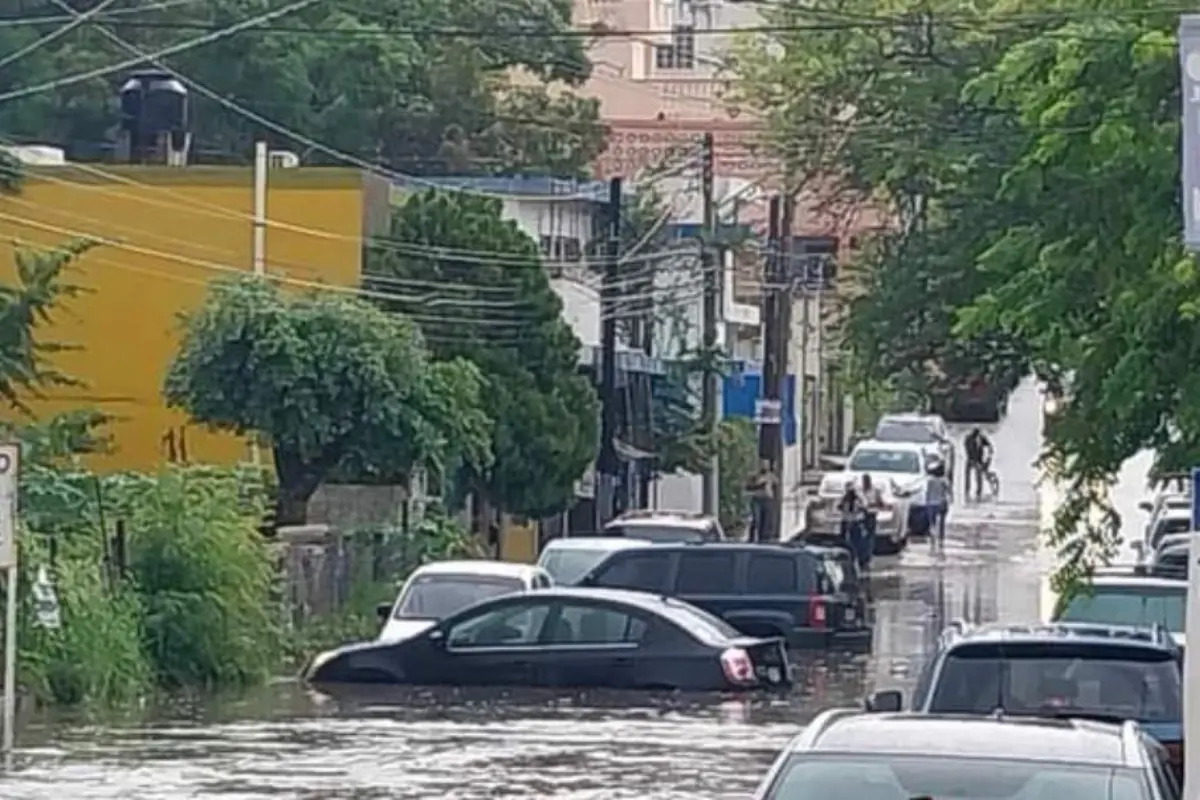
(851, 615)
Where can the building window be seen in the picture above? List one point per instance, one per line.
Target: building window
(814, 261)
(680, 53)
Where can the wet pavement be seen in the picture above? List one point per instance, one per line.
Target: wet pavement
(285, 742)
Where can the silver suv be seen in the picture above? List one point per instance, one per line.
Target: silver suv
(848, 754)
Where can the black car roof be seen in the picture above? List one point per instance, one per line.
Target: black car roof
(1021, 738)
(719, 547)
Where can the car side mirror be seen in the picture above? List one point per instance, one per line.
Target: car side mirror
(383, 611)
(885, 702)
(1139, 549)
(1146, 505)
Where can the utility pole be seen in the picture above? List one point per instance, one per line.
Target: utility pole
(767, 410)
(783, 304)
(258, 246)
(713, 275)
(609, 466)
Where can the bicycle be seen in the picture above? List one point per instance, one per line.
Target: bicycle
(990, 479)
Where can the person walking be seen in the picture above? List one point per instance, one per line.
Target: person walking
(761, 487)
(937, 497)
(852, 511)
(872, 501)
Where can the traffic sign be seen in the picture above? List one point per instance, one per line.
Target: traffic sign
(10, 465)
(768, 412)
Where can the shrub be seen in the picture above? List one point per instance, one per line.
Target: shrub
(96, 656)
(203, 574)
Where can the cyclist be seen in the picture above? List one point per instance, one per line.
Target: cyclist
(979, 459)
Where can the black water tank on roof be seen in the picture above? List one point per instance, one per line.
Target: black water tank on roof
(154, 102)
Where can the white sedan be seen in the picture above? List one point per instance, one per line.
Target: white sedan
(443, 588)
(900, 471)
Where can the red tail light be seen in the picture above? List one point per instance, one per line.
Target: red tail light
(737, 666)
(816, 613)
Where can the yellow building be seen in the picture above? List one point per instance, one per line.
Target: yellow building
(167, 233)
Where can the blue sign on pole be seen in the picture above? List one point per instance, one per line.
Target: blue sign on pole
(1196, 498)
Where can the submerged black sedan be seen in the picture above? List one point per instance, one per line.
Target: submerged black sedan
(569, 638)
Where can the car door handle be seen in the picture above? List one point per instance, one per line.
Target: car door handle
(623, 662)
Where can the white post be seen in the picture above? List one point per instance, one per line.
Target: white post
(1191, 661)
(259, 247)
(10, 461)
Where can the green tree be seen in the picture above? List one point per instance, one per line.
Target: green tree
(1090, 272)
(476, 285)
(424, 87)
(327, 379)
(883, 122)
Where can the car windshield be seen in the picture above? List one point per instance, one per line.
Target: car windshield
(1176, 525)
(568, 565)
(1130, 605)
(873, 460)
(662, 534)
(820, 777)
(441, 596)
(891, 430)
(1125, 681)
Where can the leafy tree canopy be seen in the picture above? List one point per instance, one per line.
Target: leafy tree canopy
(475, 284)
(425, 87)
(1030, 177)
(328, 380)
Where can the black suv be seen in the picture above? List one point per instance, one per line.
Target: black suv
(798, 593)
(1083, 670)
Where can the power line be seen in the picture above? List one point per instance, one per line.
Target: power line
(175, 49)
(57, 33)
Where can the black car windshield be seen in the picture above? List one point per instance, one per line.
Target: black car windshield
(1053, 678)
(890, 430)
(660, 534)
(872, 460)
(441, 596)
(1130, 605)
(820, 777)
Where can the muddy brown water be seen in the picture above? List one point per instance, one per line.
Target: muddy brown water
(284, 741)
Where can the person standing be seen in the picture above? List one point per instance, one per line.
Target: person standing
(937, 497)
(761, 488)
(872, 501)
(850, 506)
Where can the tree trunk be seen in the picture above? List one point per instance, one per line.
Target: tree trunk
(297, 482)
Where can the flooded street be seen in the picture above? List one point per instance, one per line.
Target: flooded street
(282, 742)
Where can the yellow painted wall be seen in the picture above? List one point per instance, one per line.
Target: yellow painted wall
(171, 231)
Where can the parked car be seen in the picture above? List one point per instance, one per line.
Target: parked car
(1062, 669)
(570, 638)
(923, 429)
(443, 588)
(762, 590)
(1167, 521)
(568, 560)
(1129, 596)
(1170, 560)
(665, 526)
(900, 471)
(855, 756)
(1159, 507)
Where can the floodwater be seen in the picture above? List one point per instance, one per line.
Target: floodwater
(285, 742)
